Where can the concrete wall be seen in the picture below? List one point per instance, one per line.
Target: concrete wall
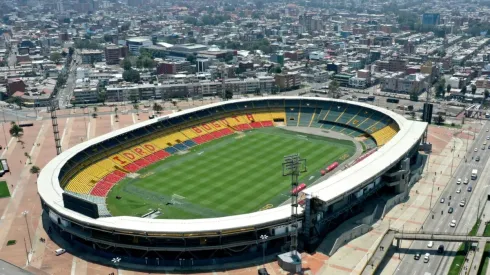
(350, 235)
(394, 201)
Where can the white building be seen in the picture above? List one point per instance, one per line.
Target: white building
(134, 44)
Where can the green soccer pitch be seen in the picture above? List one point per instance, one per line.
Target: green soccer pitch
(237, 174)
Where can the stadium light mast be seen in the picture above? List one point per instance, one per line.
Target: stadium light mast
(54, 121)
(293, 166)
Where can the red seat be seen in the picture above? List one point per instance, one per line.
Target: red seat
(267, 123)
(256, 124)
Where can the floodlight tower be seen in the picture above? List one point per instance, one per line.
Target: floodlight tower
(292, 166)
(54, 122)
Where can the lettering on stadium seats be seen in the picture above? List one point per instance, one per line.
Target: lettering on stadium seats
(197, 130)
(149, 147)
(119, 160)
(236, 118)
(206, 127)
(216, 124)
(129, 155)
(139, 151)
(250, 117)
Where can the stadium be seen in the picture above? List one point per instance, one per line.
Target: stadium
(200, 186)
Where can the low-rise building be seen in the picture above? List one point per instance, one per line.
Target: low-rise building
(91, 56)
(288, 80)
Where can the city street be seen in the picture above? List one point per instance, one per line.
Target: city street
(465, 216)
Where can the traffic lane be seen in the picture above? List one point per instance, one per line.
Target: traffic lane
(443, 221)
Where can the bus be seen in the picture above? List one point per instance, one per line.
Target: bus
(474, 174)
(371, 98)
(392, 100)
(362, 99)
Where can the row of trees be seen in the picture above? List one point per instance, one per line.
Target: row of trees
(442, 89)
(17, 132)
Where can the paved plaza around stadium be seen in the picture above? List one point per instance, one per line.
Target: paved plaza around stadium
(38, 142)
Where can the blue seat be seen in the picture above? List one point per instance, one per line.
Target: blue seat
(171, 150)
(181, 147)
(190, 143)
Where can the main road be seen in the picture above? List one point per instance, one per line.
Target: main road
(465, 216)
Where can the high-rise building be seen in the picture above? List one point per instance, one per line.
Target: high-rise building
(431, 18)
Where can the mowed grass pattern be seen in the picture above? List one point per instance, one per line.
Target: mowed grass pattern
(232, 175)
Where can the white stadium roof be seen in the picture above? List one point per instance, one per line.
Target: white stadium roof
(334, 187)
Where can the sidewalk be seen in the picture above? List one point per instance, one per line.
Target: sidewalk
(380, 253)
(475, 258)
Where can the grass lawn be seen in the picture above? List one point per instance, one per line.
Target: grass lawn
(4, 189)
(486, 256)
(234, 175)
(458, 260)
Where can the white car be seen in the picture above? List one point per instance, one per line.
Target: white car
(462, 203)
(442, 200)
(458, 191)
(459, 181)
(430, 244)
(476, 149)
(487, 130)
(488, 138)
(426, 257)
(465, 181)
(453, 223)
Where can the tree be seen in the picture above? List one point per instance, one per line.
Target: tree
(126, 64)
(191, 59)
(136, 107)
(134, 97)
(333, 88)
(448, 88)
(228, 94)
(94, 114)
(115, 113)
(257, 91)
(464, 90)
(16, 131)
(71, 51)
(35, 170)
(15, 100)
(157, 108)
(414, 96)
(439, 119)
(486, 93)
(102, 96)
(28, 156)
(131, 76)
(473, 89)
(55, 57)
(278, 70)
(441, 87)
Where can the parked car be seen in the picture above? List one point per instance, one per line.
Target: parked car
(426, 257)
(450, 210)
(416, 256)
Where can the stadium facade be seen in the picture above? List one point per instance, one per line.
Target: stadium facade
(73, 186)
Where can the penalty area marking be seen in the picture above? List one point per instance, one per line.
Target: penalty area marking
(200, 153)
